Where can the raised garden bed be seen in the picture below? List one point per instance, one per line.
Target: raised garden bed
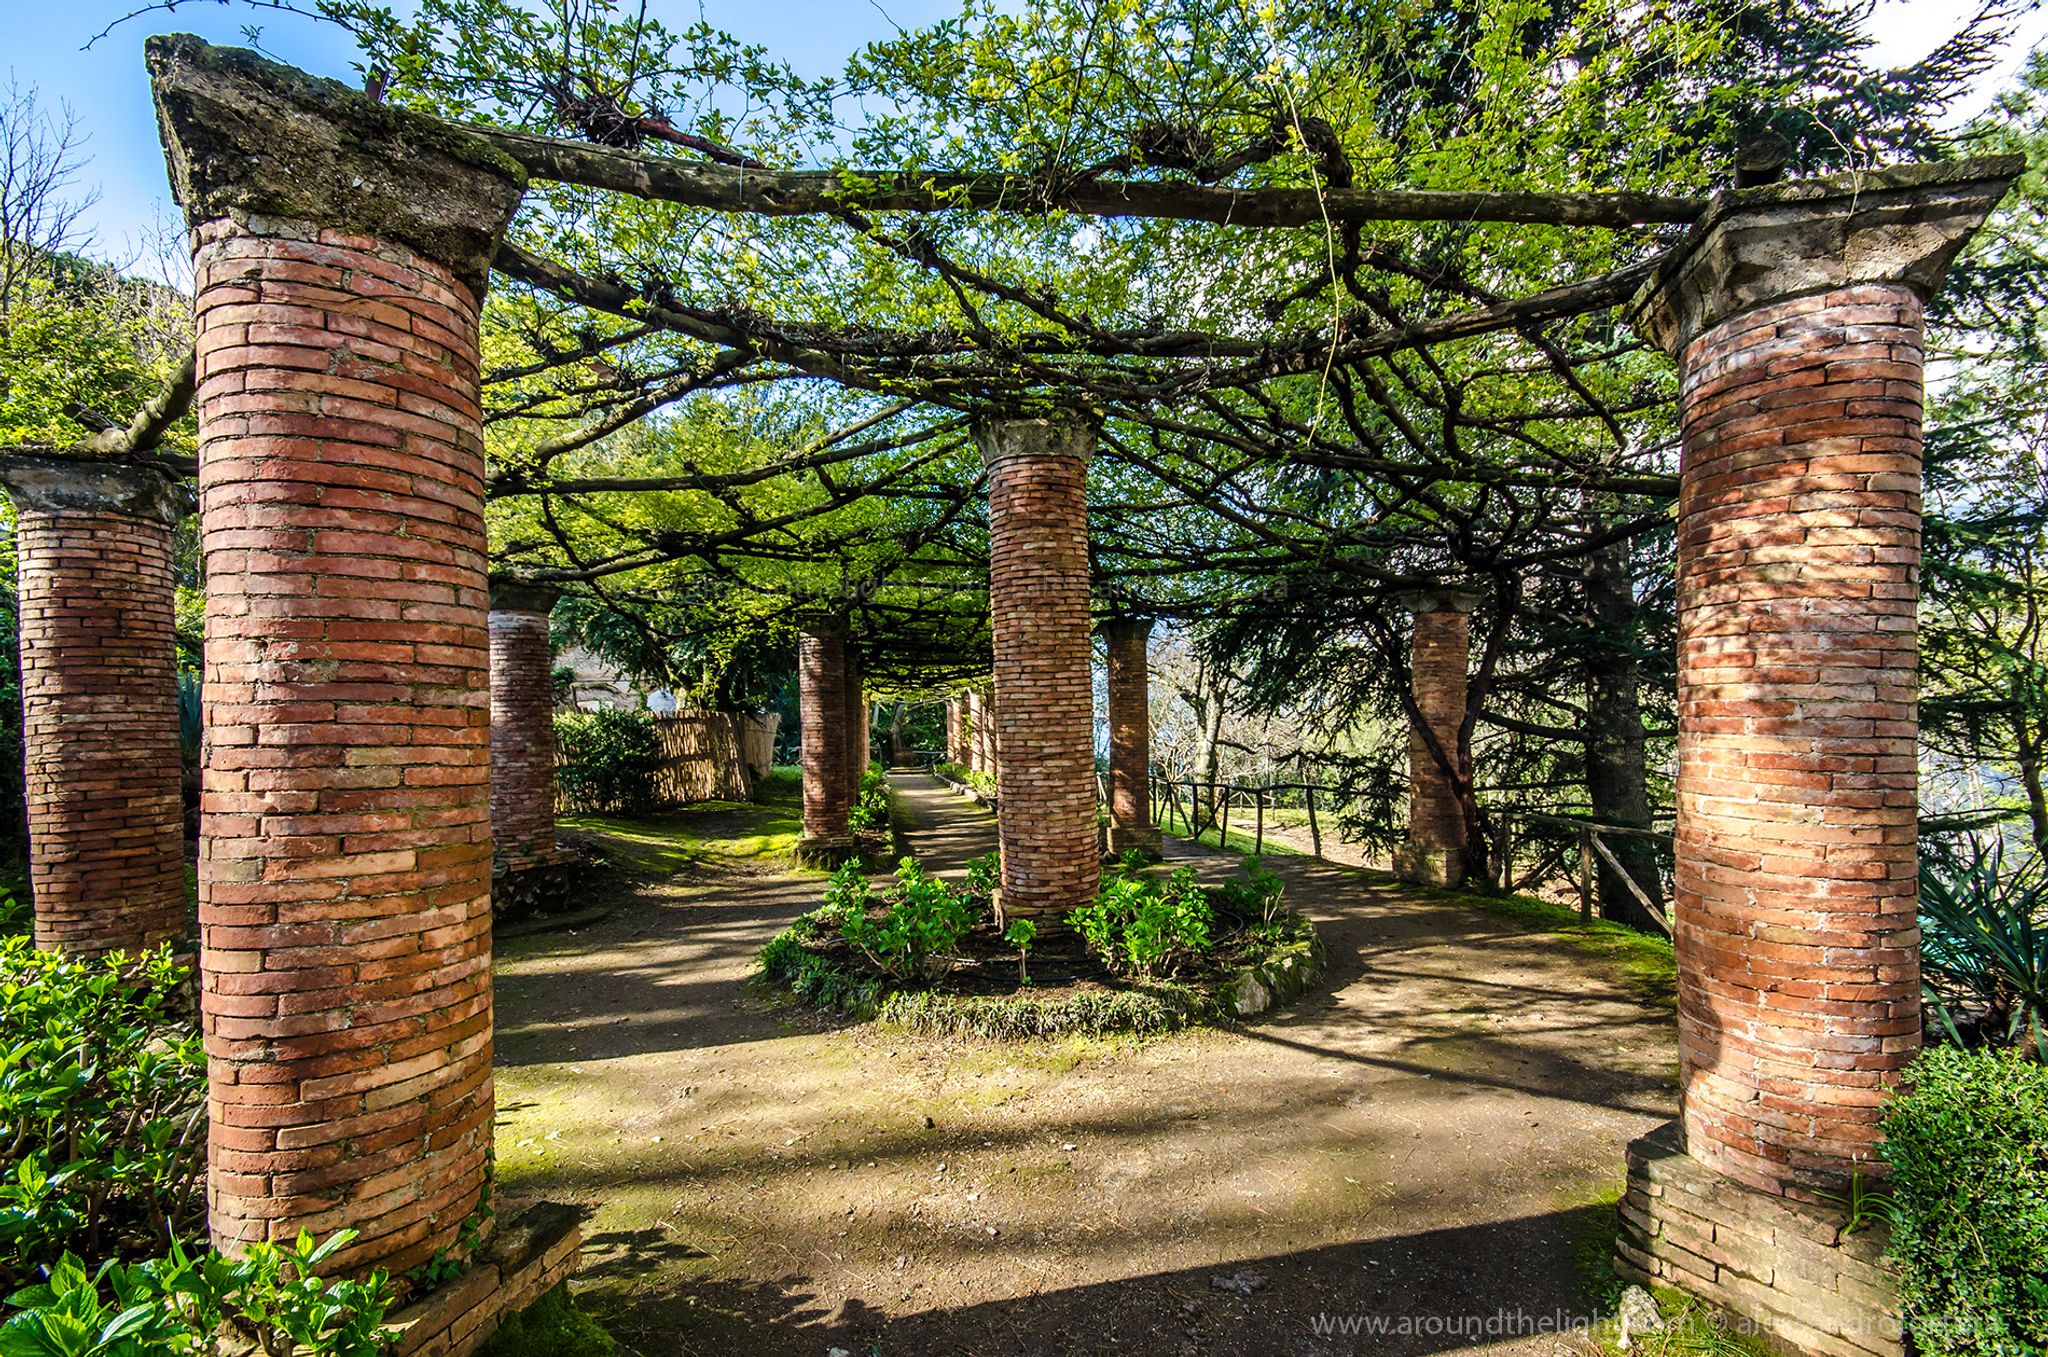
(976, 990)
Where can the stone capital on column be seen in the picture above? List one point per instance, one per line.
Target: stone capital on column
(1439, 598)
(249, 138)
(1753, 247)
(1062, 436)
(513, 595)
(78, 485)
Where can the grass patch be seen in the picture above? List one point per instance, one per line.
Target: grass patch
(1240, 840)
(703, 833)
(1691, 1329)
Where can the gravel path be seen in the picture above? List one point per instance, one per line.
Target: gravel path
(1421, 1159)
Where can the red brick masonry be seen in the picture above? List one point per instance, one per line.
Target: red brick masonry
(1439, 656)
(821, 703)
(345, 868)
(1045, 700)
(1798, 569)
(1125, 641)
(99, 697)
(522, 722)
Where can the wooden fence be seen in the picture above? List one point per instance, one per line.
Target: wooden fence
(713, 755)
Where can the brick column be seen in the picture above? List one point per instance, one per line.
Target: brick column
(826, 747)
(980, 738)
(99, 702)
(858, 734)
(1127, 641)
(1795, 316)
(1439, 656)
(529, 870)
(341, 250)
(1045, 693)
(956, 731)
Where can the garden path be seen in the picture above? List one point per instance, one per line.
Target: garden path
(1429, 1149)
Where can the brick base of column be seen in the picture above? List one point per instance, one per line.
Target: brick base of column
(1144, 839)
(525, 1260)
(524, 885)
(1441, 867)
(1782, 1269)
(828, 851)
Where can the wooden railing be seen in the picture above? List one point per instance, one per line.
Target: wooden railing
(1593, 845)
(1196, 818)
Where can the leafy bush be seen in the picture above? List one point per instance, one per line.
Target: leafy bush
(1968, 1145)
(1140, 927)
(609, 761)
(916, 937)
(984, 783)
(178, 1304)
(1258, 895)
(102, 1109)
(1984, 944)
(984, 878)
(871, 807)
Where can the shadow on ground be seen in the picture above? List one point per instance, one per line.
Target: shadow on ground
(1431, 1146)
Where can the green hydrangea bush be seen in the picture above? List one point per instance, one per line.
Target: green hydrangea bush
(1159, 954)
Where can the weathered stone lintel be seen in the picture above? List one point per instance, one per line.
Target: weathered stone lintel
(1781, 1267)
(1002, 439)
(1902, 224)
(245, 137)
(1440, 598)
(523, 596)
(76, 485)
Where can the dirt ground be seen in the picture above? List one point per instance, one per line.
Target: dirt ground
(1420, 1159)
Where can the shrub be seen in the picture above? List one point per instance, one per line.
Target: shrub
(871, 807)
(917, 936)
(1145, 929)
(1968, 1146)
(1258, 895)
(609, 761)
(177, 1305)
(967, 777)
(102, 1109)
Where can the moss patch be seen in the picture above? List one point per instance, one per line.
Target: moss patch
(551, 1327)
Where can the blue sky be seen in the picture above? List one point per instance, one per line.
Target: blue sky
(106, 89)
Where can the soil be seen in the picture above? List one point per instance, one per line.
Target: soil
(1424, 1158)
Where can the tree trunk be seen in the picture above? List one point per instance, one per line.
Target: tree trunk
(2027, 741)
(1617, 767)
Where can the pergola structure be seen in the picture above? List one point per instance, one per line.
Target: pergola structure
(374, 725)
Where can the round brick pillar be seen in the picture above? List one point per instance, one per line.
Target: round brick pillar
(344, 876)
(99, 701)
(1045, 693)
(1797, 328)
(1798, 571)
(1440, 654)
(825, 745)
(859, 736)
(956, 731)
(530, 872)
(1126, 641)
